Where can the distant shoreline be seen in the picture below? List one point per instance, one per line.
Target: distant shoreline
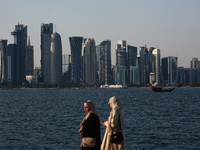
(24, 88)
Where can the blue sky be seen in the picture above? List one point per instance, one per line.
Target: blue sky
(172, 25)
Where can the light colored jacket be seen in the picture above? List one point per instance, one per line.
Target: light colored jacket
(106, 144)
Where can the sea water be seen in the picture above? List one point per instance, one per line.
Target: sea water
(49, 119)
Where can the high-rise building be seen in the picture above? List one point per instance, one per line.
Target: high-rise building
(89, 62)
(3, 61)
(76, 49)
(156, 66)
(20, 39)
(122, 44)
(194, 63)
(56, 59)
(11, 64)
(170, 70)
(30, 59)
(66, 68)
(46, 32)
(104, 62)
(131, 60)
(144, 65)
(120, 66)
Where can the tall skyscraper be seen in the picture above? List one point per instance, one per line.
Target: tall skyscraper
(30, 59)
(156, 67)
(170, 70)
(131, 60)
(20, 39)
(76, 49)
(89, 62)
(3, 61)
(104, 62)
(56, 59)
(46, 32)
(12, 64)
(122, 44)
(66, 68)
(144, 65)
(120, 66)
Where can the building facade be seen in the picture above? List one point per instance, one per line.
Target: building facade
(3, 61)
(20, 39)
(131, 60)
(66, 68)
(76, 50)
(46, 32)
(156, 66)
(89, 62)
(104, 62)
(30, 59)
(56, 59)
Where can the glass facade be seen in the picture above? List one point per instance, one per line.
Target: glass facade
(66, 67)
(104, 62)
(20, 39)
(46, 32)
(76, 49)
(3, 61)
(131, 59)
(89, 62)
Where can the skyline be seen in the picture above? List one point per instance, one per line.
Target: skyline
(173, 26)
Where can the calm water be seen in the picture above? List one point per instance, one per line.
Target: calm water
(49, 119)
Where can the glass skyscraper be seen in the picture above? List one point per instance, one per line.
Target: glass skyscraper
(76, 49)
(131, 60)
(30, 59)
(104, 62)
(89, 62)
(66, 68)
(20, 39)
(46, 32)
(3, 61)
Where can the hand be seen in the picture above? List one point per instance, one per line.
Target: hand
(81, 125)
(103, 123)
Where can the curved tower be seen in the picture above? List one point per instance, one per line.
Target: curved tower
(76, 47)
(56, 59)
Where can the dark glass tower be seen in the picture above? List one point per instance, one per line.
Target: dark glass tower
(104, 62)
(20, 39)
(46, 32)
(76, 49)
(131, 59)
(3, 61)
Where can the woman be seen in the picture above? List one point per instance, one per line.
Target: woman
(90, 127)
(113, 126)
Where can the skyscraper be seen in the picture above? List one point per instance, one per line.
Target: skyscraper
(46, 32)
(131, 60)
(66, 67)
(144, 65)
(89, 62)
(104, 62)
(3, 61)
(194, 63)
(20, 39)
(30, 59)
(56, 59)
(170, 70)
(120, 66)
(76, 49)
(156, 62)
(12, 64)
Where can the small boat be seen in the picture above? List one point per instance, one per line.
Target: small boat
(161, 89)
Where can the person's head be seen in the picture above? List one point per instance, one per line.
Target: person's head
(114, 103)
(88, 106)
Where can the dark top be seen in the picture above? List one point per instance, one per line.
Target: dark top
(91, 128)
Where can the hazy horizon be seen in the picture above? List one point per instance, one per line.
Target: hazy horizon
(173, 26)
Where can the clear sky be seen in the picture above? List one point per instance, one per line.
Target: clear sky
(172, 25)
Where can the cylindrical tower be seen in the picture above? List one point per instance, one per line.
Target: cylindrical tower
(56, 59)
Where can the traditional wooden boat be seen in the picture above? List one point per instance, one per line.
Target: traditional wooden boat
(161, 89)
